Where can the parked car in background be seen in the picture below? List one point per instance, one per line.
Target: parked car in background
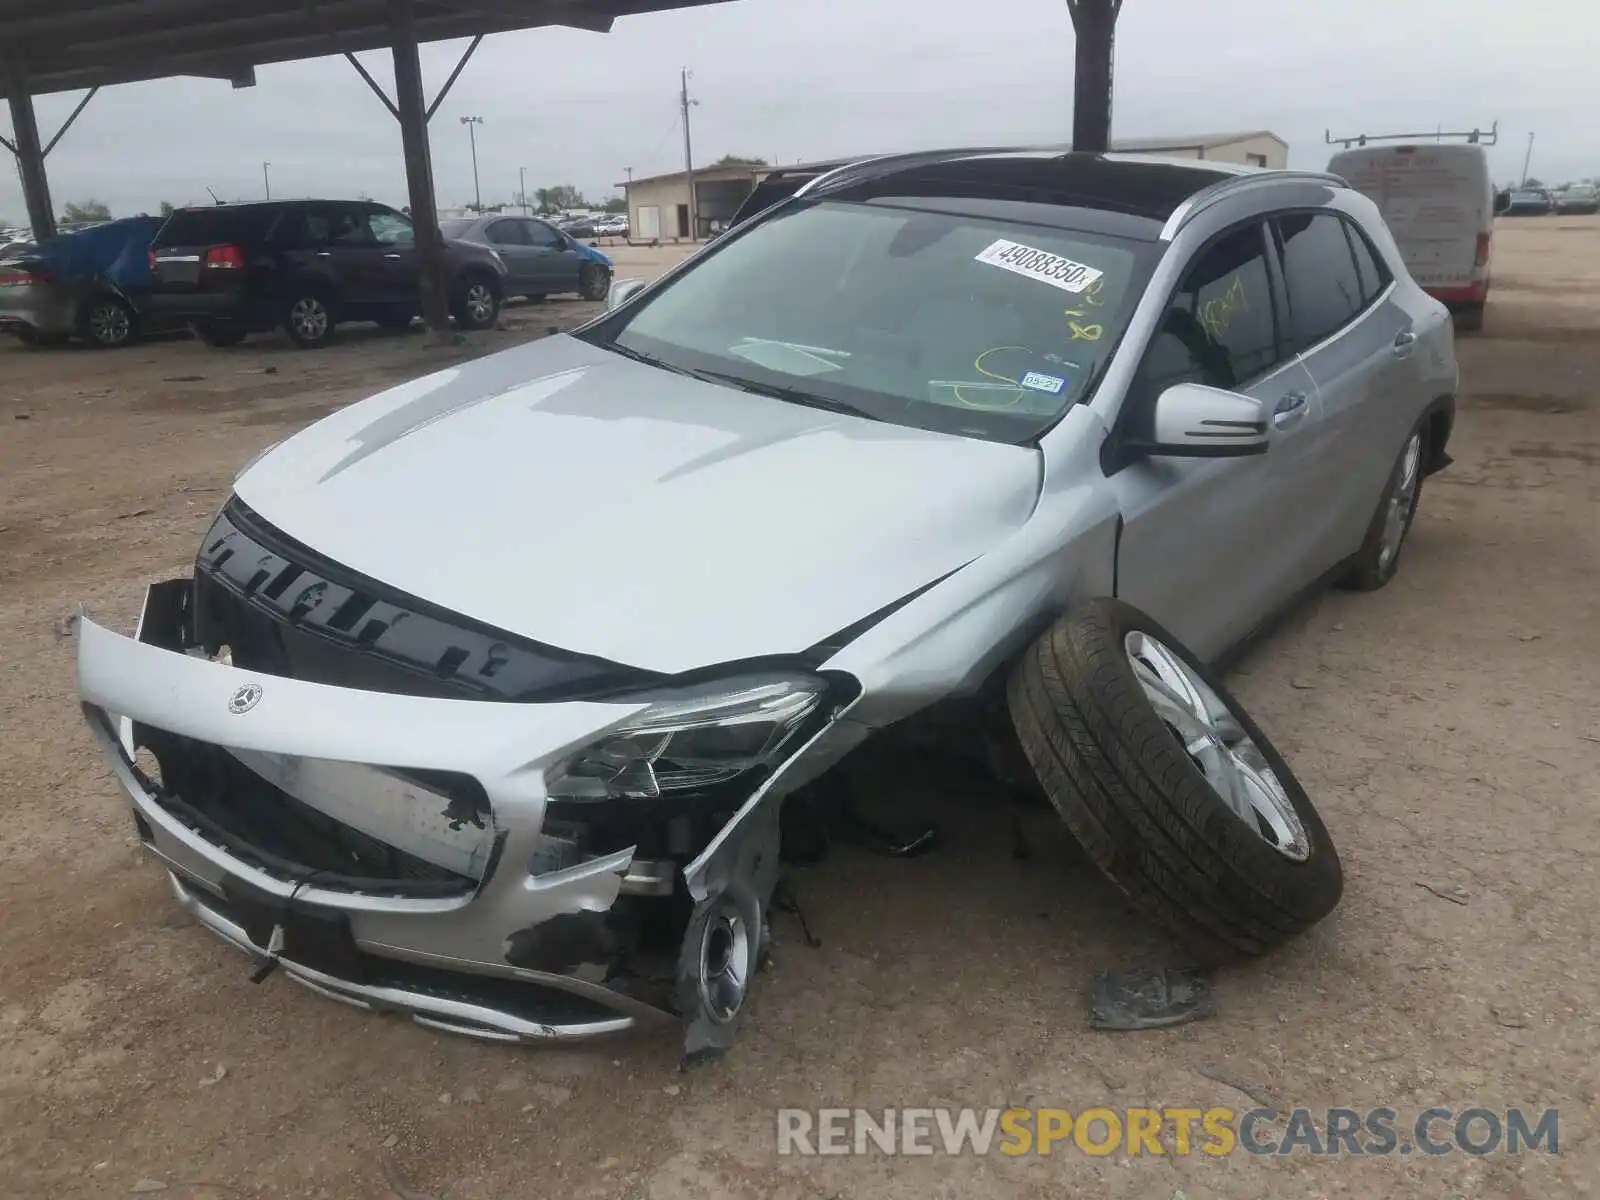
(1578, 199)
(485, 695)
(1529, 202)
(540, 259)
(615, 225)
(92, 284)
(307, 266)
(1438, 201)
(578, 227)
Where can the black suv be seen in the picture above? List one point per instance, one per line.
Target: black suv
(306, 265)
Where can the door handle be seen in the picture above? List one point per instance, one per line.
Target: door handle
(393, 257)
(1404, 341)
(1290, 410)
(324, 253)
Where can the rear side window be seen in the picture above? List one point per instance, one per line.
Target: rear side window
(1220, 328)
(1319, 272)
(211, 226)
(1370, 267)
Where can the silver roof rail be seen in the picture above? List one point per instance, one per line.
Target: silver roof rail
(885, 164)
(1232, 186)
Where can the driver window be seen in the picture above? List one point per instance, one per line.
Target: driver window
(540, 234)
(390, 229)
(1220, 328)
(507, 233)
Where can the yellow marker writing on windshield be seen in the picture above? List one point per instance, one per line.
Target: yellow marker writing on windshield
(1085, 333)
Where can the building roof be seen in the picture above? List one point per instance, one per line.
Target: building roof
(1193, 141)
(64, 44)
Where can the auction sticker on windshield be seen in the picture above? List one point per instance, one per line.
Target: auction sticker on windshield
(1039, 264)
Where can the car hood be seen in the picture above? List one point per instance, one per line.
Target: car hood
(574, 497)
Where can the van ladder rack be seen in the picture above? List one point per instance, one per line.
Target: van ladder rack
(1475, 137)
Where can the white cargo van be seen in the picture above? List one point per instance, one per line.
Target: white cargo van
(1439, 202)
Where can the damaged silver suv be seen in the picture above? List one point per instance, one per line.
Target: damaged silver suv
(485, 694)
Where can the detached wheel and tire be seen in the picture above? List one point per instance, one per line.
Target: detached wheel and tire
(477, 303)
(308, 321)
(1175, 793)
(107, 323)
(1379, 557)
(594, 281)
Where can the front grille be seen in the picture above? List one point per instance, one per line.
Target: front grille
(283, 609)
(229, 805)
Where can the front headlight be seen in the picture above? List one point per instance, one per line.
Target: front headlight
(695, 738)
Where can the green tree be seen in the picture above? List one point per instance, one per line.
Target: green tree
(166, 208)
(1533, 181)
(88, 210)
(560, 197)
(739, 160)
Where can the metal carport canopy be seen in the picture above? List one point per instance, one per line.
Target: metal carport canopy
(56, 45)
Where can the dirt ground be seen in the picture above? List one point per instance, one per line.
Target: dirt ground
(1448, 727)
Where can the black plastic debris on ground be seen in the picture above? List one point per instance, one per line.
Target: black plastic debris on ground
(1151, 999)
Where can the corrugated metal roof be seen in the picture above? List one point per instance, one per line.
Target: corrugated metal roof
(64, 44)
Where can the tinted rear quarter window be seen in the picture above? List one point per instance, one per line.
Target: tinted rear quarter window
(213, 226)
(1319, 271)
(1370, 267)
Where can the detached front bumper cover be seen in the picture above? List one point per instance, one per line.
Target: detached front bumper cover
(519, 942)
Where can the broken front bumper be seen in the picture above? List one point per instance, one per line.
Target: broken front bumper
(501, 934)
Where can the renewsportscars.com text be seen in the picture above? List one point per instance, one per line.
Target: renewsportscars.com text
(1173, 1131)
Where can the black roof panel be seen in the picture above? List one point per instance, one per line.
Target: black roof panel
(1149, 188)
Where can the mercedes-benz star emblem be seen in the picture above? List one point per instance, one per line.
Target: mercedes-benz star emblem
(246, 698)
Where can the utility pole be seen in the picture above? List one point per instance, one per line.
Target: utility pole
(1527, 159)
(266, 179)
(688, 153)
(472, 124)
(629, 170)
(1094, 23)
(522, 188)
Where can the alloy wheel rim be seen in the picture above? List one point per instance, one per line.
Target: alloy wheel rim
(1402, 504)
(1215, 740)
(479, 302)
(109, 324)
(724, 965)
(310, 318)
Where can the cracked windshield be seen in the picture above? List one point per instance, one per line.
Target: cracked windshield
(961, 324)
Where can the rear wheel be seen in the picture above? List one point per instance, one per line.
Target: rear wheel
(477, 303)
(213, 334)
(593, 281)
(106, 323)
(308, 321)
(1173, 790)
(1379, 557)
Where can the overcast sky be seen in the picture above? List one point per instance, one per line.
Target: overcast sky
(802, 79)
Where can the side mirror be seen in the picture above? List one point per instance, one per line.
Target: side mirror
(1195, 421)
(622, 290)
